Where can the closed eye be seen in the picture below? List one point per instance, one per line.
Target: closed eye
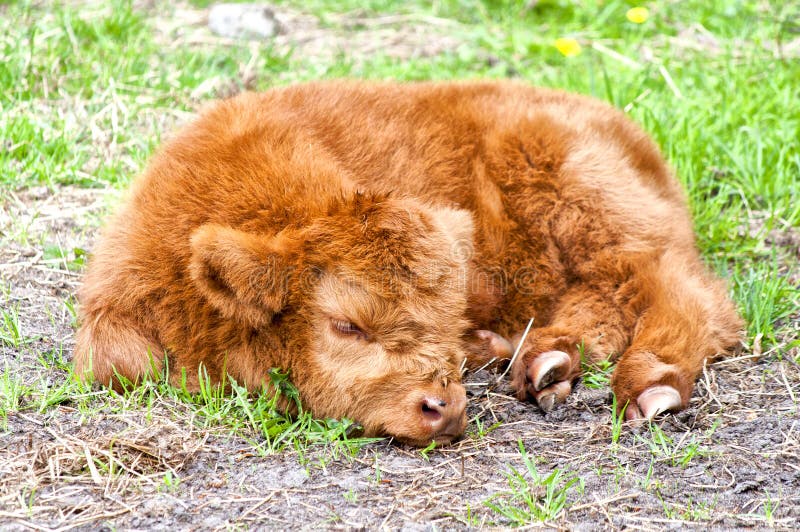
(347, 328)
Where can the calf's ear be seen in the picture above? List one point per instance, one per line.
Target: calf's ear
(243, 275)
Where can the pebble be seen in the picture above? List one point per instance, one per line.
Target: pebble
(243, 21)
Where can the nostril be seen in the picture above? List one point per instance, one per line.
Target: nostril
(430, 409)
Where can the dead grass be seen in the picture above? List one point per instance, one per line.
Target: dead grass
(81, 474)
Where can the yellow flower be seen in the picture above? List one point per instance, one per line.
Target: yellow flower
(637, 15)
(568, 47)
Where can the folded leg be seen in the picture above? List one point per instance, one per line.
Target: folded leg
(588, 321)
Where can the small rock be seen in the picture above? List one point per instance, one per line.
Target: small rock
(746, 486)
(38, 193)
(214, 521)
(243, 21)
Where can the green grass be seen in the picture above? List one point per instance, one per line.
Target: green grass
(764, 297)
(12, 390)
(226, 409)
(269, 427)
(617, 421)
(533, 496)
(595, 374)
(11, 331)
(86, 93)
(677, 454)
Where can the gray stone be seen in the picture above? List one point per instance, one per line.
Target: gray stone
(243, 21)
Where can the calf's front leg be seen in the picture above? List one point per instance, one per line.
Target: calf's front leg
(586, 321)
(486, 348)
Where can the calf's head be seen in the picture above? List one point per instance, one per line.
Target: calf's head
(367, 299)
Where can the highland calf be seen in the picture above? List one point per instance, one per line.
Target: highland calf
(373, 238)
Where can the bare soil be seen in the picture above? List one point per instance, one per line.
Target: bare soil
(731, 459)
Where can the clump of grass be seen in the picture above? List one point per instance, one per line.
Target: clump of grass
(595, 374)
(12, 391)
(690, 510)
(765, 299)
(534, 497)
(11, 333)
(482, 430)
(272, 419)
(617, 420)
(62, 258)
(664, 447)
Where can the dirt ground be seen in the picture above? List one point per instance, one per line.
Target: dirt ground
(731, 460)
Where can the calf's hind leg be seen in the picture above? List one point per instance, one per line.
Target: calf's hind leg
(688, 319)
(110, 346)
(664, 314)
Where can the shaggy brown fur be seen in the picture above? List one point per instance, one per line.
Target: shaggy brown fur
(359, 234)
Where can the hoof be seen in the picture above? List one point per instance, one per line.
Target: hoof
(548, 398)
(654, 401)
(547, 368)
(497, 346)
